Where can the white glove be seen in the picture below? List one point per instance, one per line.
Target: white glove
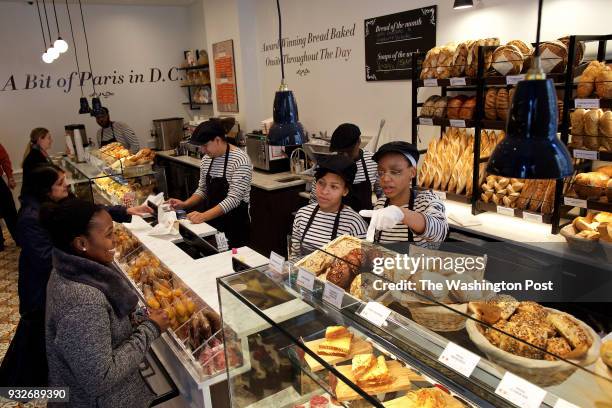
(383, 219)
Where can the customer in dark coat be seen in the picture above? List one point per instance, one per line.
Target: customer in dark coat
(92, 347)
(25, 362)
(37, 150)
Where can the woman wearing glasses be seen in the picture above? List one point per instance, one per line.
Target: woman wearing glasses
(402, 215)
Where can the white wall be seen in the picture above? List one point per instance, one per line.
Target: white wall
(121, 38)
(336, 91)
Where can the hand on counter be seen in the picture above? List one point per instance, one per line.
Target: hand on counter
(176, 204)
(197, 217)
(161, 319)
(140, 210)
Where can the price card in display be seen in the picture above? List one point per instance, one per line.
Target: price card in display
(457, 123)
(276, 262)
(514, 79)
(375, 313)
(586, 154)
(561, 403)
(440, 194)
(305, 279)
(459, 359)
(505, 210)
(587, 103)
(575, 202)
(221, 241)
(528, 216)
(430, 82)
(426, 121)
(520, 392)
(455, 81)
(333, 294)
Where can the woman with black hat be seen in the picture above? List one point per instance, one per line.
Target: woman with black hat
(225, 185)
(403, 215)
(346, 140)
(317, 224)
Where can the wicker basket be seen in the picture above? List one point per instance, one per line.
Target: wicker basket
(540, 372)
(577, 243)
(439, 318)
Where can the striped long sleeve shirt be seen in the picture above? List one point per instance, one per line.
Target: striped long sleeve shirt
(239, 175)
(123, 133)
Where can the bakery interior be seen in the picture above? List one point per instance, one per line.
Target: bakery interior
(261, 326)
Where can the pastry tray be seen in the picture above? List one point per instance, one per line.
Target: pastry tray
(330, 248)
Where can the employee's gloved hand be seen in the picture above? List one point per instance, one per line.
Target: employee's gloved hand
(382, 219)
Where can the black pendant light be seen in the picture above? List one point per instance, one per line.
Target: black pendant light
(286, 129)
(96, 105)
(531, 148)
(83, 102)
(463, 4)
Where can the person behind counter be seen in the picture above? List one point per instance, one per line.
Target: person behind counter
(25, 362)
(317, 224)
(346, 140)
(37, 150)
(7, 204)
(224, 188)
(113, 131)
(392, 217)
(92, 346)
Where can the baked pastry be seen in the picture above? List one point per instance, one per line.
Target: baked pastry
(445, 61)
(454, 106)
(591, 128)
(490, 104)
(472, 61)
(575, 335)
(606, 353)
(340, 274)
(429, 64)
(459, 61)
(506, 303)
(501, 103)
(577, 121)
(356, 289)
(603, 83)
(440, 107)
(553, 55)
(467, 109)
(607, 170)
(428, 109)
(522, 46)
(377, 375)
(337, 342)
(603, 217)
(580, 48)
(361, 364)
(508, 60)
(557, 346)
(605, 130)
(586, 81)
(549, 198)
(590, 185)
(590, 235)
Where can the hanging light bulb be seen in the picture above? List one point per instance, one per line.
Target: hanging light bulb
(60, 45)
(47, 58)
(53, 53)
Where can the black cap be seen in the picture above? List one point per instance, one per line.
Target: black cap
(337, 164)
(103, 111)
(345, 136)
(207, 131)
(407, 149)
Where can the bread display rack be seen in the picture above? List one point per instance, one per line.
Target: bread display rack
(489, 94)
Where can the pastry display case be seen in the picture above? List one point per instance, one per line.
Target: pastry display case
(366, 337)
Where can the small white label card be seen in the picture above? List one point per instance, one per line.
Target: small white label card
(440, 194)
(586, 154)
(426, 121)
(305, 279)
(505, 210)
(456, 81)
(430, 82)
(520, 392)
(529, 216)
(333, 294)
(276, 262)
(457, 123)
(514, 79)
(561, 403)
(587, 103)
(459, 359)
(375, 313)
(575, 202)
(221, 241)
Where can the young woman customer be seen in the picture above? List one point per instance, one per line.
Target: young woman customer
(92, 347)
(37, 150)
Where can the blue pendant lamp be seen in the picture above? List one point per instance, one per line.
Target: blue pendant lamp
(286, 129)
(531, 149)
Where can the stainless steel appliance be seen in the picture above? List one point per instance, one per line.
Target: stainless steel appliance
(69, 129)
(266, 157)
(168, 133)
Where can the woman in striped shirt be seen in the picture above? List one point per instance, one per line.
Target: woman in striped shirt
(317, 224)
(395, 218)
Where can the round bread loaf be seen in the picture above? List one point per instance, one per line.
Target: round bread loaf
(454, 106)
(603, 83)
(428, 109)
(607, 170)
(467, 109)
(591, 128)
(445, 61)
(501, 104)
(490, 104)
(580, 47)
(508, 60)
(522, 46)
(605, 130)
(429, 65)
(586, 81)
(440, 107)
(590, 185)
(577, 121)
(459, 61)
(340, 274)
(553, 56)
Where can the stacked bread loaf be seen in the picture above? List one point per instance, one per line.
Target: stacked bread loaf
(592, 129)
(594, 185)
(596, 78)
(456, 107)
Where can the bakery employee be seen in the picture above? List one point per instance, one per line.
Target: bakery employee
(225, 185)
(113, 131)
(346, 140)
(319, 223)
(392, 219)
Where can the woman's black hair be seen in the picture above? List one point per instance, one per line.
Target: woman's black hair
(37, 184)
(68, 219)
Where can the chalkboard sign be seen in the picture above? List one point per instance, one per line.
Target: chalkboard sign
(391, 40)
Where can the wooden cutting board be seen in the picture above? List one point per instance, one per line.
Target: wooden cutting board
(358, 346)
(406, 402)
(402, 382)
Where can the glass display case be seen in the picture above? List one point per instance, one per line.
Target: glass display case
(437, 344)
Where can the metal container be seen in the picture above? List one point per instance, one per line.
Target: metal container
(168, 133)
(266, 157)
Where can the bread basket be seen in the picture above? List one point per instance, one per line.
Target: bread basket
(439, 318)
(543, 373)
(577, 243)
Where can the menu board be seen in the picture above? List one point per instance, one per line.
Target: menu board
(391, 40)
(225, 76)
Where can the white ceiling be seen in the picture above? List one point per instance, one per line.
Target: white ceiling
(122, 2)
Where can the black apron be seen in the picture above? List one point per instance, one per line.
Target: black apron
(360, 196)
(410, 207)
(334, 233)
(106, 142)
(236, 224)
